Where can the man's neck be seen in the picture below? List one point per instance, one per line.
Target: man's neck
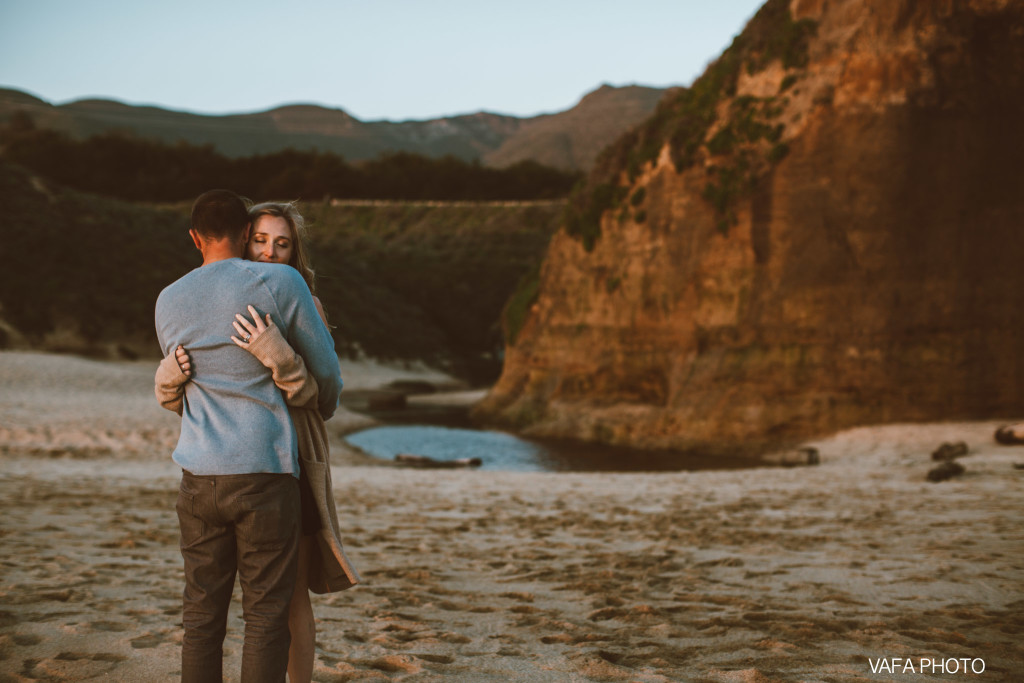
(220, 251)
(214, 250)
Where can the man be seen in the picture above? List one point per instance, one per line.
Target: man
(238, 506)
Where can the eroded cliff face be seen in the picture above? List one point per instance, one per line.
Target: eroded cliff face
(874, 271)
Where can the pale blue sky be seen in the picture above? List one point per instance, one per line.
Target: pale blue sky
(376, 59)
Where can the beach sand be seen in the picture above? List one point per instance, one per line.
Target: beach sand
(799, 574)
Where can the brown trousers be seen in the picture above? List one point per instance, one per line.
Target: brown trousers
(246, 524)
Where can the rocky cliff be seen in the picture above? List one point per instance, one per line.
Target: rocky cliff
(825, 230)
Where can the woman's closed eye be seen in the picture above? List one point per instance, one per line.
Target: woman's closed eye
(283, 243)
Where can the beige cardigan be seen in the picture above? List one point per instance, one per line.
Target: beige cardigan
(329, 569)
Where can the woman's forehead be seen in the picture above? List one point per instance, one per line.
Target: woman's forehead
(274, 226)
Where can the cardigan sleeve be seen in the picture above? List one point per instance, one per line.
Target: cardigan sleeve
(287, 367)
(170, 384)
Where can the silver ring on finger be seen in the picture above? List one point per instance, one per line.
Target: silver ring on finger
(246, 338)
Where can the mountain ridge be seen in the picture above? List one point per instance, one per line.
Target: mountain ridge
(491, 138)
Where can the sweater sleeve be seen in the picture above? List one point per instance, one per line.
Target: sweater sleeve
(170, 384)
(286, 366)
(301, 325)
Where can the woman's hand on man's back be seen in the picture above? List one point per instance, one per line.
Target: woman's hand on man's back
(184, 361)
(249, 331)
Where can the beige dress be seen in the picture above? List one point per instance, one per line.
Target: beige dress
(329, 569)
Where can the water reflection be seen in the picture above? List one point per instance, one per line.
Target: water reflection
(501, 451)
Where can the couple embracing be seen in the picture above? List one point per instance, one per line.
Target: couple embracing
(250, 366)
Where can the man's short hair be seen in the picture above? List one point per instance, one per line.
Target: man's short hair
(220, 214)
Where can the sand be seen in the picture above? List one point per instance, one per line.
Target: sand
(801, 574)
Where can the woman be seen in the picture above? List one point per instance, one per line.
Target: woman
(276, 237)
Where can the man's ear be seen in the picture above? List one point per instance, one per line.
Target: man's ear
(248, 233)
(196, 239)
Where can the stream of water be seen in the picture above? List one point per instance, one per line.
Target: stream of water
(501, 451)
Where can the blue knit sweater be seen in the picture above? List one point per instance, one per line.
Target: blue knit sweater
(235, 420)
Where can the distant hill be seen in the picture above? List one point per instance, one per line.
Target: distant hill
(572, 139)
(569, 140)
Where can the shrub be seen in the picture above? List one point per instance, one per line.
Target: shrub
(778, 153)
(685, 115)
(518, 307)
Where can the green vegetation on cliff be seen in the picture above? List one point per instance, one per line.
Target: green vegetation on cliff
(684, 118)
(398, 280)
(84, 265)
(427, 282)
(518, 306)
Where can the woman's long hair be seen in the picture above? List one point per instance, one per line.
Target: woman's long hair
(287, 210)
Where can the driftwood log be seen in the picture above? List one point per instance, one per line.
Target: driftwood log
(947, 470)
(1007, 436)
(410, 460)
(386, 400)
(950, 451)
(806, 455)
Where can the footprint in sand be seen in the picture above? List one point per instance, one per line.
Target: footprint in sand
(522, 597)
(601, 665)
(148, 640)
(403, 664)
(607, 613)
(523, 609)
(73, 666)
(110, 626)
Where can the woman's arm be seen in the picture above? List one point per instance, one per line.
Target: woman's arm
(171, 375)
(320, 310)
(266, 342)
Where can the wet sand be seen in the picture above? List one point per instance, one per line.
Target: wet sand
(765, 574)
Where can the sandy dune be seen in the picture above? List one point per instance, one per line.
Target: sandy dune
(745, 575)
